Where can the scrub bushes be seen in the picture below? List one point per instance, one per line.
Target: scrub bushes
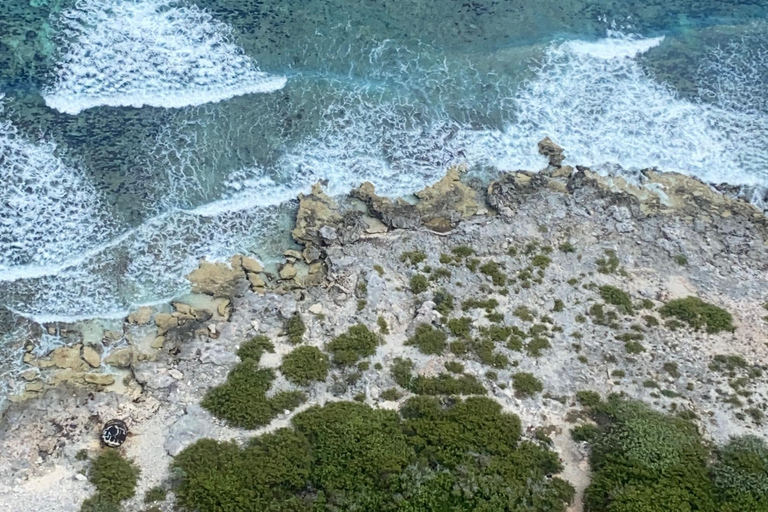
(428, 339)
(358, 342)
(699, 314)
(463, 455)
(115, 480)
(305, 365)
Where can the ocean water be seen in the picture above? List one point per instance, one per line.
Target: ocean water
(138, 136)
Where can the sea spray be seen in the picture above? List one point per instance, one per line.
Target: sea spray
(158, 53)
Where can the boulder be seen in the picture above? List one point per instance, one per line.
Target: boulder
(552, 151)
(440, 207)
(141, 316)
(91, 356)
(256, 281)
(320, 222)
(120, 357)
(288, 271)
(216, 279)
(100, 379)
(251, 265)
(165, 322)
(68, 357)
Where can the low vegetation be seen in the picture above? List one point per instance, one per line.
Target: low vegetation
(347, 456)
(428, 340)
(115, 481)
(305, 365)
(295, 328)
(355, 344)
(699, 315)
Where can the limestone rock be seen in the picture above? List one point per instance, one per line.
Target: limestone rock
(256, 281)
(551, 150)
(141, 316)
(251, 265)
(120, 357)
(316, 309)
(217, 279)
(33, 386)
(91, 356)
(165, 322)
(30, 374)
(100, 379)
(440, 207)
(288, 271)
(68, 357)
(320, 222)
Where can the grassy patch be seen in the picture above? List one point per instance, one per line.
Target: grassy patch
(463, 251)
(382, 323)
(699, 314)
(489, 305)
(428, 339)
(493, 270)
(524, 313)
(295, 328)
(444, 302)
(609, 264)
(419, 284)
(413, 257)
(460, 326)
(255, 348)
(617, 297)
(305, 365)
(348, 348)
(526, 384)
(115, 480)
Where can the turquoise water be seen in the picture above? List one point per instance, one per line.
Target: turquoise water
(137, 136)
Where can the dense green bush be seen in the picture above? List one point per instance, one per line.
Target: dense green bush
(358, 342)
(255, 348)
(699, 314)
(444, 302)
(295, 328)
(428, 339)
(419, 284)
(617, 297)
(305, 365)
(526, 385)
(445, 384)
(401, 372)
(493, 270)
(115, 480)
(460, 326)
(466, 456)
(740, 475)
(242, 399)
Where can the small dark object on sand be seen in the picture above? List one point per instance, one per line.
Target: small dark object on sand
(114, 433)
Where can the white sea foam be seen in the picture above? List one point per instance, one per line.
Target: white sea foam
(149, 52)
(596, 100)
(49, 210)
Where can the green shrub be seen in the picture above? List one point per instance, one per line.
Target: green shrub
(671, 369)
(536, 346)
(740, 475)
(472, 264)
(618, 373)
(115, 480)
(496, 318)
(541, 261)
(155, 494)
(616, 297)
(445, 384)
(489, 305)
(419, 284)
(497, 333)
(609, 264)
(493, 270)
(428, 339)
(401, 372)
(305, 365)
(585, 433)
(463, 251)
(295, 328)
(347, 456)
(255, 348)
(634, 347)
(413, 257)
(727, 363)
(379, 270)
(526, 385)
(681, 260)
(588, 398)
(460, 326)
(454, 367)
(391, 394)
(524, 313)
(458, 348)
(650, 321)
(440, 273)
(383, 327)
(559, 306)
(699, 314)
(361, 303)
(348, 348)
(443, 302)
(242, 401)
(567, 248)
(645, 461)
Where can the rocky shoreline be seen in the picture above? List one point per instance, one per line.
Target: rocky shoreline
(544, 247)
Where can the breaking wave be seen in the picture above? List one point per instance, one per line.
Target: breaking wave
(148, 52)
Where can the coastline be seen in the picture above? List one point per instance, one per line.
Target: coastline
(154, 372)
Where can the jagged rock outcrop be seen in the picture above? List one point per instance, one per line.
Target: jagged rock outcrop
(440, 207)
(320, 222)
(551, 150)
